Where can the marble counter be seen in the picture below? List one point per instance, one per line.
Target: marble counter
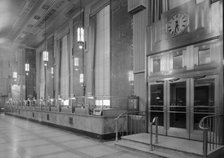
(82, 122)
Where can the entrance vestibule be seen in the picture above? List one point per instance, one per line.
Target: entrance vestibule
(180, 104)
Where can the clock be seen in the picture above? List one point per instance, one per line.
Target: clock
(177, 24)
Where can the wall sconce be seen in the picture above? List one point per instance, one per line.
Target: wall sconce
(52, 72)
(27, 68)
(130, 76)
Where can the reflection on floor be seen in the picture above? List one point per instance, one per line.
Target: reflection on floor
(25, 139)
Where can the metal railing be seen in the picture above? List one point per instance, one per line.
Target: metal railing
(128, 123)
(212, 127)
(154, 121)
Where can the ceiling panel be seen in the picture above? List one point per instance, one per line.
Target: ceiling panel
(29, 28)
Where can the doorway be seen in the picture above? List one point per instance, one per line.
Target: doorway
(180, 104)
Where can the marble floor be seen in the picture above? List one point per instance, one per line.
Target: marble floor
(21, 138)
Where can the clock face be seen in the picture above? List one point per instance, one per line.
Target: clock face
(177, 24)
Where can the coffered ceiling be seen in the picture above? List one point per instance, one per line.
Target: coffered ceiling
(24, 21)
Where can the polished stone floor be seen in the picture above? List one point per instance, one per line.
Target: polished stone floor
(21, 138)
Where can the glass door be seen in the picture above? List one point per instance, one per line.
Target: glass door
(204, 102)
(156, 104)
(177, 108)
(180, 104)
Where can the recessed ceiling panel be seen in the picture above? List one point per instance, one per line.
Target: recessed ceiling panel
(36, 17)
(45, 7)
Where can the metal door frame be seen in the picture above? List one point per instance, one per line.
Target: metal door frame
(197, 134)
(162, 129)
(189, 133)
(174, 131)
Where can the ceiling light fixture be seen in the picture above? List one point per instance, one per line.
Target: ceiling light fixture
(45, 52)
(80, 30)
(27, 68)
(14, 75)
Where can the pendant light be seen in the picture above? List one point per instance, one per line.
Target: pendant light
(76, 61)
(80, 30)
(45, 52)
(27, 68)
(14, 75)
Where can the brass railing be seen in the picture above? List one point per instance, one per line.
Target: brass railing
(212, 127)
(154, 121)
(128, 123)
(133, 122)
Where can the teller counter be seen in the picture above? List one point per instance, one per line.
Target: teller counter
(102, 127)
